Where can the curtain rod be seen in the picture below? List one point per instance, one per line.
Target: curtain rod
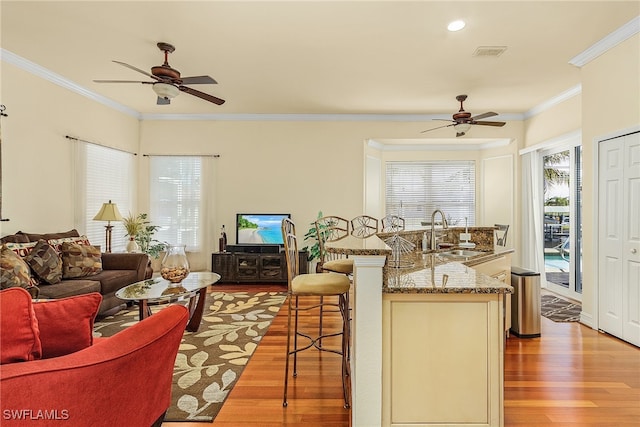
(73, 138)
(182, 155)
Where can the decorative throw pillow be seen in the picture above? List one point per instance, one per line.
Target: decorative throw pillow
(14, 272)
(20, 337)
(21, 249)
(45, 263)
(80, 260)
(66, 324)
(57, 243)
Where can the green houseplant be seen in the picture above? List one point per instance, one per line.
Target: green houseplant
(140, 228)
(313, 248)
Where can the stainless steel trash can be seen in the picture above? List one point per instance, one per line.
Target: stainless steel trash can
(525, 303)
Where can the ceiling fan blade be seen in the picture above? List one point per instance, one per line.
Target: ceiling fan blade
(202, 95)
(198, 80)
(485, 123)
(163, 101)
(484, 115)
(439, 127)
(138, 70)
(121, 81)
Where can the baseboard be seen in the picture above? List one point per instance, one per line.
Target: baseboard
(587, 319)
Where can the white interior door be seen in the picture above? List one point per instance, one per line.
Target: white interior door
(619, 237)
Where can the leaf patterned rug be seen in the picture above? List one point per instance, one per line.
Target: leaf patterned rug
(560, 310)
(210, 361)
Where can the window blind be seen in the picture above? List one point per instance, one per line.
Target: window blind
(104, 174)
(415, 189)
(176, 199)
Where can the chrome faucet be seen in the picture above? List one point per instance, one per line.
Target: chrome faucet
(433, 229)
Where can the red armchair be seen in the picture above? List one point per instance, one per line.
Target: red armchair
(124, 380)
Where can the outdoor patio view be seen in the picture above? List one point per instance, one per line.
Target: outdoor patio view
(562, 178)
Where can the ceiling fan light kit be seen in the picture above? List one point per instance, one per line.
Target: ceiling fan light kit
(165, 90)
(462, 120)
(167, 82)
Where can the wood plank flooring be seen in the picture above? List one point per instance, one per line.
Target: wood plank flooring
(571, 376)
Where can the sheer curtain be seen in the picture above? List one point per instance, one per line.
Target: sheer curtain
(532, 216)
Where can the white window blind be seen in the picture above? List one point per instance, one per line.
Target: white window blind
(176, 199)
(415, 189)
(103, 174)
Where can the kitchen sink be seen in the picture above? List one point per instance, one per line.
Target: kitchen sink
(460, 253)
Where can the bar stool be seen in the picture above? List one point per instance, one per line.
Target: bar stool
(330, 229)
(364, 226)
(501, 234)
(313, 285)
(392, 224)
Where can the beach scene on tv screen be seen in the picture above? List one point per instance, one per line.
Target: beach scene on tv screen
(260, 229)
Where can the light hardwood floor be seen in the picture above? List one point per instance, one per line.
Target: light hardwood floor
(571, 376)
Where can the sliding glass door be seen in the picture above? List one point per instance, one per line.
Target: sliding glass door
(562, 175)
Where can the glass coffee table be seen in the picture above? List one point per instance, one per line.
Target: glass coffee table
(160, 291)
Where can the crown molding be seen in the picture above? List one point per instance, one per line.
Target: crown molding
(313, 117)
(558, 99)
(37, 70)
(454, 145)
(629, 29)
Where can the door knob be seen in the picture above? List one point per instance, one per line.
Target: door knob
(633, 251)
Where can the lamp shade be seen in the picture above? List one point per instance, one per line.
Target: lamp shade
(108, 212)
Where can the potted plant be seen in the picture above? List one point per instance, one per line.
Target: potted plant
(133, 224)
(313, 249)
(145, 240)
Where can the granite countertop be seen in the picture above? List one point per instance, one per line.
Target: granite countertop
(431, 274)
(419, 272)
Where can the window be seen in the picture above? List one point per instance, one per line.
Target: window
(177, 202)
(103, 174)
(415, 189)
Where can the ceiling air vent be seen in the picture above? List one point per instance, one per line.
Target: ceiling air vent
(489, 50)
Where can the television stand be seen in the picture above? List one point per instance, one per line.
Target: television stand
(254, 266)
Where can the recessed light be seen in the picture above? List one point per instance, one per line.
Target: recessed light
(456, 25)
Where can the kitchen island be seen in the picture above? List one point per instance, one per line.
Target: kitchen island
(428, 338)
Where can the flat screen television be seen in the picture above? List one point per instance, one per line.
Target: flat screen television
(259, 229)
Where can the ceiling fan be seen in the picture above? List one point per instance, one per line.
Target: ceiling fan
(462, 120)
(167, 82)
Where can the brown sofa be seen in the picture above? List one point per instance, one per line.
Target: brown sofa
(118, 270)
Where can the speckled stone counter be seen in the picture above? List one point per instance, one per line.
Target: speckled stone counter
(423, 272)
(445, 278)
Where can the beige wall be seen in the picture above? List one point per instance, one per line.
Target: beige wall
(611, 103)
(36, 157)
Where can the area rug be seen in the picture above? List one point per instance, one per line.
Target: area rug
(210, 361)
(560, 310)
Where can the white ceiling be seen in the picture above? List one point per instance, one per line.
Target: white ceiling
(322, 57)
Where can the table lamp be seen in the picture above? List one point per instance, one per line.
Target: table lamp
(108, 212)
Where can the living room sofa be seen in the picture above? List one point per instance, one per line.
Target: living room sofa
(117, 270)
